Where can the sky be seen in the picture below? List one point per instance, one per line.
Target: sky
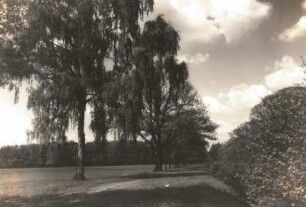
(237, 51)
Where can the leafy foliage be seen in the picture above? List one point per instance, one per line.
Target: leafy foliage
(214, 151)
(161, 79)
(188, 129)
(267, 154)
(63, 49)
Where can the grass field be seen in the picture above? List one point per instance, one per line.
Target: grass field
(113, 186)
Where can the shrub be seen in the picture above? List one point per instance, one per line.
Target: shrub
(267, 154)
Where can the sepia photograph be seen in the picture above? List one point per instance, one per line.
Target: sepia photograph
(152, 103)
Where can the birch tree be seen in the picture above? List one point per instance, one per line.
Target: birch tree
(63, 52)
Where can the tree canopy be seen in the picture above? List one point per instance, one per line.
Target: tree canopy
(93, 55)
(166, 96)
(63, 48)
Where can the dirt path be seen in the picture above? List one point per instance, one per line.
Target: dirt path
(159, 181)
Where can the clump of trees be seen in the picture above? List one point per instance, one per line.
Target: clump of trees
(267, 154)
(64, 154)
(113, 153)
(93, 55)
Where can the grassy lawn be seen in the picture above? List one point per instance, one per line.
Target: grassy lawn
(196, 196)
(134, 186)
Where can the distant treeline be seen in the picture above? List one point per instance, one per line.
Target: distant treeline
(65, 154)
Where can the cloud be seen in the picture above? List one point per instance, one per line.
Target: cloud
(231, 108)
(246, 96)
(214, 105)
(241, 96)
(220, 113)
(204, 21)
(286, 73)
(296, 31)
(198, 58)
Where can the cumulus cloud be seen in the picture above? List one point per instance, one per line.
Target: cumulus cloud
(198, 58)
(296, 31)
(214, 105)
(246, 96)
(231, 108)
(286, 73)
(207, 20)
(222, 115)
(239, 98)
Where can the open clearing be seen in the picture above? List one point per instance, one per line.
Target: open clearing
(113, 186)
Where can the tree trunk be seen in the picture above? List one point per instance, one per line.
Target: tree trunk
(159, 161)
(134, 138)
(169, 160)
(79, 173)
(104, 139)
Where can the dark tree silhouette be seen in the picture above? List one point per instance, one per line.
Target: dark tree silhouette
(161, 78)
(64, 48)
(214, 151)
(187, 130)
(159, 85)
